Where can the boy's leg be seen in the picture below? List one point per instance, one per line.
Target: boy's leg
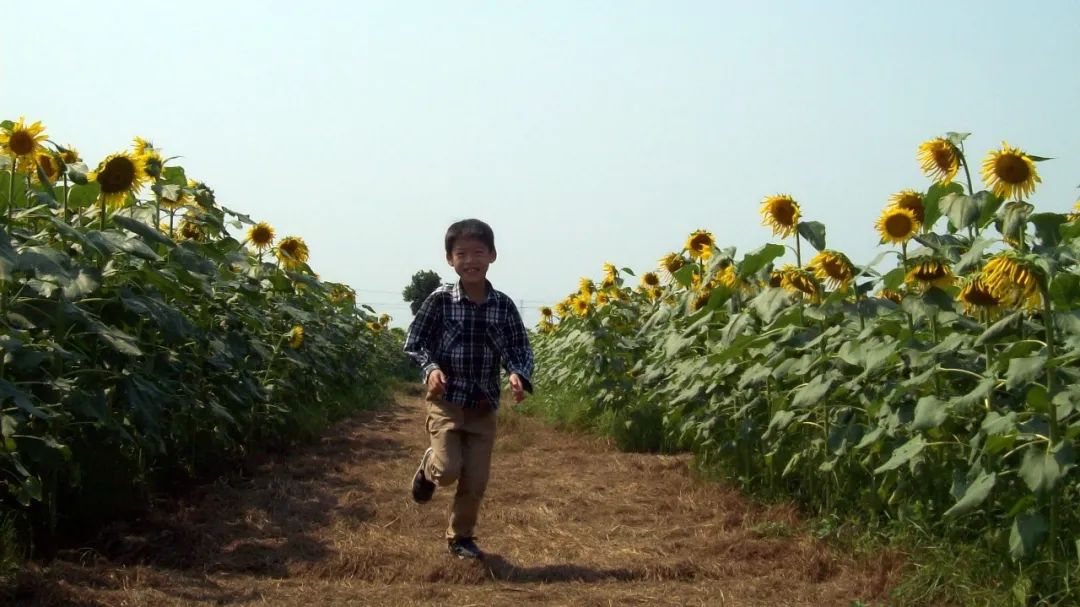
(477, 442)
(444, 426)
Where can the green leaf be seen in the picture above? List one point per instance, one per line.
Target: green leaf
(930, 413)
(174, 175)
(1023, 371)
(812, 392)
(148, 233)
(976, 494)
(1000, 328)
(1026, 534)
(1038, 398)
(903, 454)
(81, 196)
(1065, 291)
(685, 274)
(988, 207)
(1014, 217)
(1042, 468)
(814, 233)
(8, 390)
(961, 210)
(972, 259)
(1048, 227)
(753, 262)
(894, 278)
(932, 200)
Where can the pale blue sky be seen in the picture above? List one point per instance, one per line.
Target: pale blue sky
(583, 132)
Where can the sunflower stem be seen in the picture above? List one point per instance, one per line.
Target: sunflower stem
(967, 173)
(1055, 432)
(101, 198)
(11, 190)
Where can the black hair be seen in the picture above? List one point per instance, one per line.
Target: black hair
(469, 228)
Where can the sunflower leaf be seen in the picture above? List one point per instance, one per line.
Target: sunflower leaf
(961, 210)
(931, 206)
(148, 233)
(1048, 227)
(755, 261)
(998, 329)
(1035, 158)
(1014, 216)
(814, 233)
(1065, 291)
(974, 494)
(956, 138)
(988, 207)
(1023, 371)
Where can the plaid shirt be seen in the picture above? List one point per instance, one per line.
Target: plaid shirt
(468, 341)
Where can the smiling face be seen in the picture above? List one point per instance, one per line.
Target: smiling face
(470, 258)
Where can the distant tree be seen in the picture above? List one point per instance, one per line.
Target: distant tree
(423, 283)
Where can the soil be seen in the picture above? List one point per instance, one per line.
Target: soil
(567, 520)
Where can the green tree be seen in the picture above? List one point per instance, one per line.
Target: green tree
(423, 283)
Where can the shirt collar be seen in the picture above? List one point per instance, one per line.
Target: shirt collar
(458, 293)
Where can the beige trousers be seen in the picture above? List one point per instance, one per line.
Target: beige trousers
(462, 440)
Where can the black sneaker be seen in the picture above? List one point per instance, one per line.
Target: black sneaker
(464, 548)
(422, 488)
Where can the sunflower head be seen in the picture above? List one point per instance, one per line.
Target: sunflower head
(833, 268)
(581, 305)
(910, 200)
(611, 274)
(897, 225)
(119, 175)
(586, 287)
(292, 252)
(800, 281)
(152, 160)
(781, 213)
(1014, 280)
(50, 166)
(1009, 173)
(562, 309)
(340, 294)
(671, 263)
(726, 277)
(296, 337)
(190, 230)
(546, 312)
(1075, 214)
(894, 296)
(384, 319)
(979, 301)
(374, 326)
(602, 299)
(940, 159)
(69, 154)
(545, 326)
(701, 299)
(700, 244)
(930, 271)
(23, 142)
(261, 236)
(650, 279)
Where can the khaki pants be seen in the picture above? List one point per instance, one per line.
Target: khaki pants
(462, 440)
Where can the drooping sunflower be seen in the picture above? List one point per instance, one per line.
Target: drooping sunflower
(897, 225)
(701, 299)
(152, 160)
(1009, 172)
(296, 337)
(261, 236)
(611, 275)
(119, 175)
(545, 326)
(546, 312)
(776, 279)
(1075, 214)
(979, 301)
(833, 268)
(69, 154)
(700, 244)
(930, 271)
(586, 287)
(800, 280)
(562, 309)
(1013, 280)
(894, 296)
(49, 165)
(669, 264)
(649, 280)
(340, 294)
(910, 200)
(23, 143)
(189, 230)
(292, 252)
(781, 213)
(940, 159)
(655, 293)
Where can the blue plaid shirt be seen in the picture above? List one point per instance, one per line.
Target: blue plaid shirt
(468, 341)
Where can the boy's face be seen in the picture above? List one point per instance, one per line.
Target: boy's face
(470, 258)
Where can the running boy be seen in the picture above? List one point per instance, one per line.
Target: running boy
(460, 336)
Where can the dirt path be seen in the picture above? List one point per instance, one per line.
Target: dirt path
(567, 521)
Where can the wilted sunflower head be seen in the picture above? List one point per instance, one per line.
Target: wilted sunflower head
(894, 296)
(800, 281)
(69, 154)
(340, 294)
(119, 175)
(1009, 172)
(374, 326)
(671, 263)
(650, 279)
(897, 225)
(910, 200)
(296, 337)
(979, 301)
(940, 159)
(1014, 280)
(261, 235)
(586, 287)
(545, 326)
(23, 142)
(611, 273)
(834, 268)
(49, 165)
(930, 271)
(546, 312)
(700, 244)
(776, 279)
(190, 230)
(292, 252)
(781, 213)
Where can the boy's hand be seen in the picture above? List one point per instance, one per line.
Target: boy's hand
(517, 387)
(436, 384)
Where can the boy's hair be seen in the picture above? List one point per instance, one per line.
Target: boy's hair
(469, 228)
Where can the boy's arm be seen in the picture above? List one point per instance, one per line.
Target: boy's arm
(421, 333)
(519, 354)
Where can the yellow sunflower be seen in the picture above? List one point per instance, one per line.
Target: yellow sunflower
(930, 271)
(545, 326)
(910, 200)
(979, 301)
(1013, 280)
(152, 160)
(50, 166)
(940, 159)
(182, 199)
(776, 279)
(649, 280)
(1009, 172)
(546, 312)
(834, 268)
(296, 337)
(581, 305)
(781, 213)
(384, 319)
(897, 225)
(22, 142)
(374, 326)
(562, 309)
(800, 280)
(700, 244)
(671, 263)
(655, 293)
(586, 287)
(1075, 214)
(119, 175)
(701, 299)
(602, 299)
(189, 230)
(726, 277)
(292, 252)
(611, 275)
(261, 235)
(893, 296)
(69, 154)
(340, 294)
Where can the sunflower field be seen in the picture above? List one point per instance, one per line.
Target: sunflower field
(144, 345)
(936, 387)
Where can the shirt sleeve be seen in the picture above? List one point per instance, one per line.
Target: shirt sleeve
(519, 354)
(419, 342)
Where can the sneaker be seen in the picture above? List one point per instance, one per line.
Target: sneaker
(464, 548)
(422, 488)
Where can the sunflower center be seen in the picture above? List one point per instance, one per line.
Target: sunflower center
(118, 176)
(898, 225)
(914, 204)
(1011, 168)
(260, 235)
(979, 296)
(943, 157)
(21, 143)
(783, 213)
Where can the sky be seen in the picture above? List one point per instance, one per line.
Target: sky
(583, 132)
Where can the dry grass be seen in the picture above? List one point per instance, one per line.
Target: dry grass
(566, 521)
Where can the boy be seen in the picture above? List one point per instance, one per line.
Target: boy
(460, 335)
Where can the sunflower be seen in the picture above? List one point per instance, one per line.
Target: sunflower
(897, 225)
(893, 296)
(69, 154)
(602, 299)
(700, 244)
(586, 287)
(800, 280)
(611, 275)
(292, 252)
(834, 268)
(910, 200)
(546, 312)
(650, 279)
(562, 309)
(701, 299)
(655, 293)
(1009, 172)
(189, 230)
(545, 326)
(50, 166)
(24, 142)
(1075, 214)
(119, 175)
(340, 294)
(580, 305)
(152, 160)
(940, 159)
(726, 277)
(261, 235)
(979, 301)
(669, 264)
(930, 271)
(776, 279)
(781, 213)
(182, 199)
(374, 326)
(296, 337)
(384, 319)
(1013, 280)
